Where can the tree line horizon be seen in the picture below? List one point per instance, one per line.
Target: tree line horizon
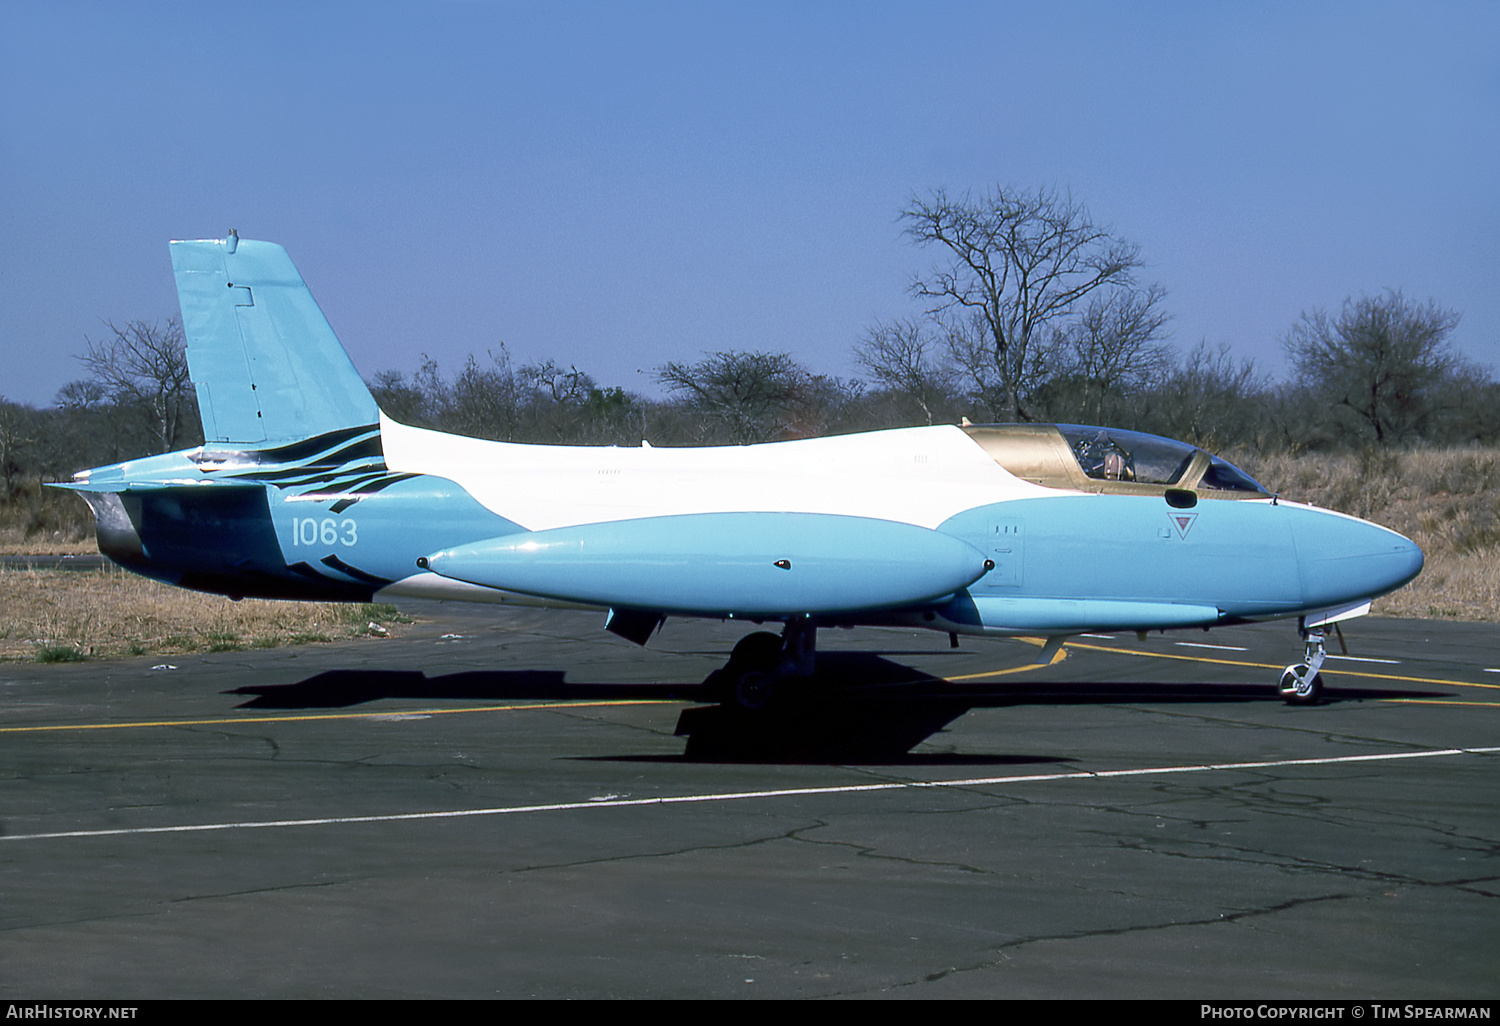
(1031, 311)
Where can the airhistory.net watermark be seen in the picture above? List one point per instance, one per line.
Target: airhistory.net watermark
(45, 1010)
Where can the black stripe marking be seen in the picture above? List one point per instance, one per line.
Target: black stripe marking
(355, 572)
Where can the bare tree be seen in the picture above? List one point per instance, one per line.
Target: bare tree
(905, 359)
(82, 396)
(402, 400)
(1212, 400)
(144, 367)
(966, 342)
(1114, 348)
(753, 397)
(1019, 262)
(1470, 412)
(483, 402)
(17, 435)
(568, 405)
(549, 381)
(1383, 360)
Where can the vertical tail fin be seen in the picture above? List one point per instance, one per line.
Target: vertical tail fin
(267, 366)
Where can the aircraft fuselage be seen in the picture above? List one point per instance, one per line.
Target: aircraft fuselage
(913, 525)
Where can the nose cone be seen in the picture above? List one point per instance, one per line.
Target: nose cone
(1344, 559)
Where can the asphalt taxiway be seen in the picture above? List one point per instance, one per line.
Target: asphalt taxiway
(498, 803)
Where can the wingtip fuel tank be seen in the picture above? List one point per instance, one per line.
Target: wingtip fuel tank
(760, 564)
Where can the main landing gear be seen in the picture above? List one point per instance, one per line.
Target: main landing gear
(1301, 683)
(760, 664)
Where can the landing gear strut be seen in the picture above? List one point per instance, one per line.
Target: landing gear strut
(1301, 683)
(761, 663)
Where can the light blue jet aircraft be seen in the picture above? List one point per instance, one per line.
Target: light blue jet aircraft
(305, 490)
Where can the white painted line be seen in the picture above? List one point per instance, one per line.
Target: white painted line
(1221, 648)
(1106, 637)
(1362, 659)
(1492, 669)
(791, 792)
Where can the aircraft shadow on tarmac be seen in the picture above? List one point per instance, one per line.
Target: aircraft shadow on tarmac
(861, 707)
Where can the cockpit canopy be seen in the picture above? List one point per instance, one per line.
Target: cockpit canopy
(1098, 459)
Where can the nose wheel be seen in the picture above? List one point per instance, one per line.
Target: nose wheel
(1301, 683)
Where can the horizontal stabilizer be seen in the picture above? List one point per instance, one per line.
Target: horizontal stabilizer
(725, 564)
(265, 362)
(124, 485)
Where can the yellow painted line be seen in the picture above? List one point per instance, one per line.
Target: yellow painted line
(1274, 666)
(1172, 655)
(1057, 657)
(1444, 701)
(385, 715)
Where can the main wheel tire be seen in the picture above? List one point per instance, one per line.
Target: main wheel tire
(759, 651)
(1297, 689)
(754, 689)
(747, 679)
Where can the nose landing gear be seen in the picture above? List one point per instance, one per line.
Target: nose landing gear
(1301, 683)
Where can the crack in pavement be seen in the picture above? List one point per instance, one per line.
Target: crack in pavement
(866, 851)
(1219, 852)
(1019, 942)
(669, 853)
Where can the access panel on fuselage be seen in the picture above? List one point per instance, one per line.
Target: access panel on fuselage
(1237, 556)
(1006, 539)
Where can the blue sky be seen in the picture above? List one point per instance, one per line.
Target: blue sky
(616, 185)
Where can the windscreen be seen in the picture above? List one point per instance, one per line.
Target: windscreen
(1107, 454)
(1226, 477)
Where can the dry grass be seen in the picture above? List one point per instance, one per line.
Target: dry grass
(1447, 501)
(45, 521)
(16, 543)
(65, 616)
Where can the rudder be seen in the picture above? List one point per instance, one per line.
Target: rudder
(266, 364)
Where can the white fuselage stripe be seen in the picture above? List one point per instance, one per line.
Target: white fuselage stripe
(918, 476)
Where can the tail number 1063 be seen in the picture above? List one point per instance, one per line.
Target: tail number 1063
(326, 531)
